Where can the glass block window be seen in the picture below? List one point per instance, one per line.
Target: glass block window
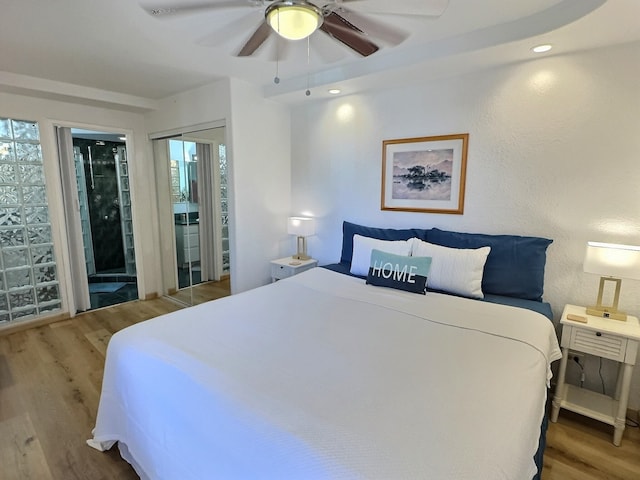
(29, 284)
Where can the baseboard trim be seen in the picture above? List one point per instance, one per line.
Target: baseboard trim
(33, 323)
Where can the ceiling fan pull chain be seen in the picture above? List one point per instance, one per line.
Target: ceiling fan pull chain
(308, 92)
(276, 79)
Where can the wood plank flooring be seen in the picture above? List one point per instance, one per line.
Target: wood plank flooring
(50, 379)
(203, 292)
(579, 448)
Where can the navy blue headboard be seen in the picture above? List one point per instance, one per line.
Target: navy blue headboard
(514, 268)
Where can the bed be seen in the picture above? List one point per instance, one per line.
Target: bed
(323, 376)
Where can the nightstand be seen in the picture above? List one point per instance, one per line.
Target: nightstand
(604, 338)
(289, 266)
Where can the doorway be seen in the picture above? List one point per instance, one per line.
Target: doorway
(97, 194)
(193, 208)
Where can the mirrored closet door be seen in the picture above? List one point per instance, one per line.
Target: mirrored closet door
(191, 171)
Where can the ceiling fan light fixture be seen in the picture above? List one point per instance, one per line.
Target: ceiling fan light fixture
(293, 19)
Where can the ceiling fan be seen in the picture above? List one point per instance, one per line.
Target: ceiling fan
(298, 19)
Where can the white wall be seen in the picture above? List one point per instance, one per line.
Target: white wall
(553, 152)
(261, 177)
(258, 154)
(49, 113)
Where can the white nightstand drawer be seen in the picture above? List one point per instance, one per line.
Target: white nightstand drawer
(598, 343)
(282, 271)
(288, 267)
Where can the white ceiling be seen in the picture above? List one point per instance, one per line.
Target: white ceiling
(113, 46)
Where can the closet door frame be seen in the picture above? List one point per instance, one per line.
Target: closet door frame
(167, 236)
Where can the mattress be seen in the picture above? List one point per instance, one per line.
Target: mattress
(320, 376)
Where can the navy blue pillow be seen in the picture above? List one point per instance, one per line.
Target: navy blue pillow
(399, 271)
(515, 265)
(350, 229)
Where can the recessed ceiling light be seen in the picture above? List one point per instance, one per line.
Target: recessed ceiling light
(542, 48)
(334, 91)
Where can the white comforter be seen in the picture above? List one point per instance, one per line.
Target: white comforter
(320, 376)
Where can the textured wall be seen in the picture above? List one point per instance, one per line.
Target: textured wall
(553, 152)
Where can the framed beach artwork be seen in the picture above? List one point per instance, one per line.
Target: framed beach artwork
(425, 174)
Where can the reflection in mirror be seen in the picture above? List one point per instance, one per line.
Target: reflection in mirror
(194, 209)
(183, 162)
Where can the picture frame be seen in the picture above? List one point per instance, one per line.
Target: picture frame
(425, 174)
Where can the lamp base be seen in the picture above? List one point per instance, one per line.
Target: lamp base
(302, 249)
(605, 312)
(608, 311)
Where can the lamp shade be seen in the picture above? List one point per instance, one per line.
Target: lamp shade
(301, 226)
(294, 19)
(612, 260)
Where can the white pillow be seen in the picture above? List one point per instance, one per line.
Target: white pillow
(454, 270)
(362, 247)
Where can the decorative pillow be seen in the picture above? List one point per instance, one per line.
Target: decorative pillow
(515, 266)
(362, 247)
(454, 270)
(350, 229)
(399, 271)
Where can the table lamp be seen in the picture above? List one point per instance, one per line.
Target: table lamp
(302, 227)
(613, 262)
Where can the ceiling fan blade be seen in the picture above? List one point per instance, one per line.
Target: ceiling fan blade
(258, 38)
(170, 9)
(341, 29)
(229, 32)
(323, 50)
(429, 8)
(390, 35)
